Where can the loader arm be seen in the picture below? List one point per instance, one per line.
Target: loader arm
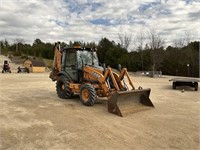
(121, 76)
(91, 74)
(109, 73)
(102, 79)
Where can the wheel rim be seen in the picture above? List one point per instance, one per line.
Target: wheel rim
(62, 86)
(85, 95)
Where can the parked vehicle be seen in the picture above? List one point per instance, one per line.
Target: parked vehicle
(23, 69)
(6, 67)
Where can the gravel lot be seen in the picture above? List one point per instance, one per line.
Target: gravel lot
(33, 117)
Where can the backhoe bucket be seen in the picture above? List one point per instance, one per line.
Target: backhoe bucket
(124, 102)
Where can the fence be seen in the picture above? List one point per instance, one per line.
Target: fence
(150, 73)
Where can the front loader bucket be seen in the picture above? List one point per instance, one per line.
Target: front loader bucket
(123, 102)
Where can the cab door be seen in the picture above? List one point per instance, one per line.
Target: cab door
(71, 64)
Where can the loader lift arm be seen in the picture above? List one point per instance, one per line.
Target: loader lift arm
(121, 77)
(102, 79)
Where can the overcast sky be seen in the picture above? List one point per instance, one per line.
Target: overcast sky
(91, 20)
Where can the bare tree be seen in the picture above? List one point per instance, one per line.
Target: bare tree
(140, 39)
(187, 37)
(178, 43)
(17, 42)
(155, 43)
(183, 41)
(125, 40)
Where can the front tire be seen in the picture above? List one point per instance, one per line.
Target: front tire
(62, 88)
(87, 94)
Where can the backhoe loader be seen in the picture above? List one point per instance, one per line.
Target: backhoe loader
(77, 71)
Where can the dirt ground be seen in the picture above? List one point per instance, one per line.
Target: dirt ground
(33, 117)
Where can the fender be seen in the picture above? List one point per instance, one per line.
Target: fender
(65, 74)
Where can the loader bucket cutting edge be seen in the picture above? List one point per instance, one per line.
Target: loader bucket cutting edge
(124, 102)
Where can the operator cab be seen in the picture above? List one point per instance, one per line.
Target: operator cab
(74, 59)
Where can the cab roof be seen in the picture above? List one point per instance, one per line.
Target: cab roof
(79, 49)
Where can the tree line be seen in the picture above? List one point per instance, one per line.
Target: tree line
(173, 60)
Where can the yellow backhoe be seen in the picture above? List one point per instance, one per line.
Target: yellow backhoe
(77, 71)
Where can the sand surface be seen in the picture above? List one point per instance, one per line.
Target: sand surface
(33, 117)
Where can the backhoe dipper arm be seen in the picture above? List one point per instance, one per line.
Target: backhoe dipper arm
(56, 62)
(57, 58)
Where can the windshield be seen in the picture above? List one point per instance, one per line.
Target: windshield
(86, 57)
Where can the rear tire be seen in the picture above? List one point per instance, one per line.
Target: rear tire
(62, 88)
(196, 86)
(174, 85)
(87, 94)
